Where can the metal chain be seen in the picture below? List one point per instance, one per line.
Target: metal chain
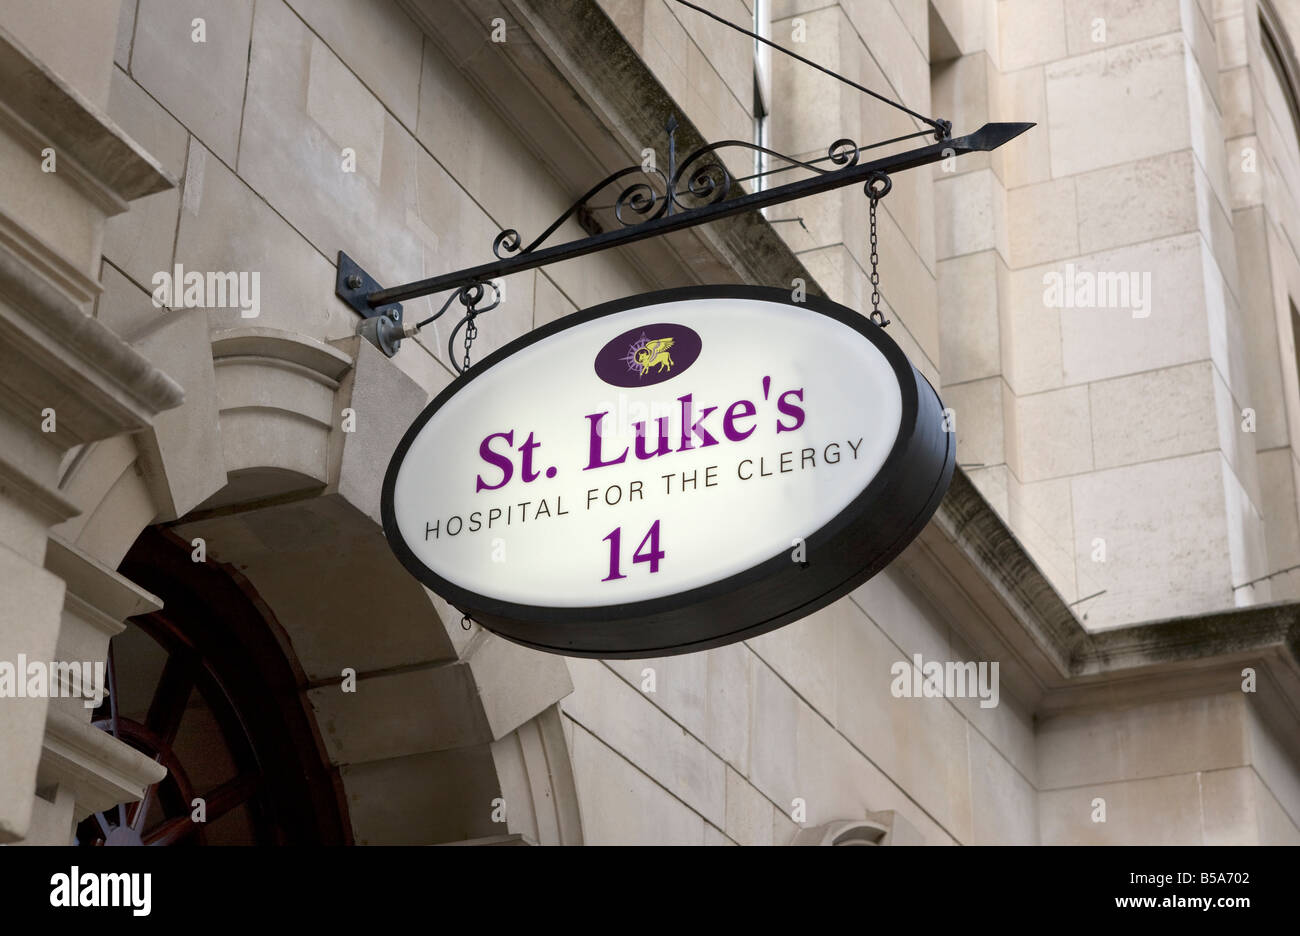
(470, 297)
(877, 317)
(471, 332)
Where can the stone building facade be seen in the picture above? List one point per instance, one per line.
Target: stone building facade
(1121, 536)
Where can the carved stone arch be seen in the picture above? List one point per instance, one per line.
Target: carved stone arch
(450, 735)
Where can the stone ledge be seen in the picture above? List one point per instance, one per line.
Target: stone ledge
(110, 593)
(273, 344)
(101, 770)
(75, 127)
(967, 553)
(53, 353)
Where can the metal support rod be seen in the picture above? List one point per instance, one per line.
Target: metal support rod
(986, 138)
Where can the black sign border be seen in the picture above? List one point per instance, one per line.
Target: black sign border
(842, 554)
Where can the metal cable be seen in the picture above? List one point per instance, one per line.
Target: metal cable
(936, 124)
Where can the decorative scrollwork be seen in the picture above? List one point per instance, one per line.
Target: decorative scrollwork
(839, 152)
(701, 179)
(712, 182)
(508, 240)
(640, 198)
(708, 183)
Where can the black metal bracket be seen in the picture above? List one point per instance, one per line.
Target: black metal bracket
(354, 286)
(695, 191)
(382, 323)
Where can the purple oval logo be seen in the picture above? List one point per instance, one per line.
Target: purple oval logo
(647, 355)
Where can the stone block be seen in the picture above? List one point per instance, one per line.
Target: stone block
(681, 686)
(749, 813)
(621, 805)
(1156, 811)
(379, 42)
(1042, 223)
(1122, 21)
(1134, 96)
(1030, 332)
(835, 779)
(1042, 517)
(1053, 434)
(125, 35)
(1136, 201)
(1282, 516)
(971, 215)
(30, 603)
(971, 288)
(978, 412)
(803, 653)
(226, 226)
(729, 704)
(1031, 32)
(904, 62)
(1228, 807)
(1107, 339)
(300, 97)
(140, 242)
(201, 83)
(514, 684)
(124, 306)
(181, 452)
(1273, 754)
(549, 303)
(1274, 826)
(1162, 522)
(424, 799)
(1138, 742)
(1022, 95)
(1004, 806)
(621, 718)
(389, 714)
(918, 743)
(1153, 415)
(774, 736)
(1235, 99)
(1267, 348)
(385, 402)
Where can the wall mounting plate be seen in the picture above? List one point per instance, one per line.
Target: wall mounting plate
(353, 285)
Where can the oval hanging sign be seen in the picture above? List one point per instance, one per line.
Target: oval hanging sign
(669, 472)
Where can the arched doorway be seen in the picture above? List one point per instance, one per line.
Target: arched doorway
(209, 687)
(442, 720)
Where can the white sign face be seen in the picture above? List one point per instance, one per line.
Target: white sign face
(650, 456)
(546, 485)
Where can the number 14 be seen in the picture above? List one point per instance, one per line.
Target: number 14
(653, 556)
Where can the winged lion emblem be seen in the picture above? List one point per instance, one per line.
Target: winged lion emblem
(655, 353)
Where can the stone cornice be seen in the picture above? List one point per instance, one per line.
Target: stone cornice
(967, 556)
(102, 157)
(113, 596)
(101, 770)
(54, 355)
